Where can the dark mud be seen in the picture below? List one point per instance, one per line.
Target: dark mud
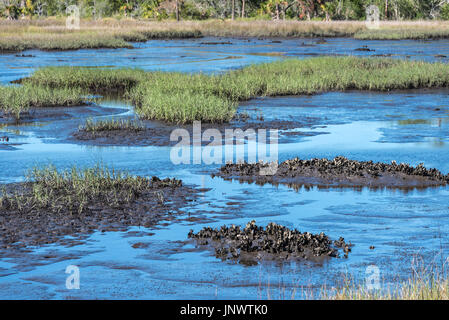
(30, 225)
(158, 133)
(274, 243)
(364, 49)
(123, 137)
(215, 43)
(339, 172)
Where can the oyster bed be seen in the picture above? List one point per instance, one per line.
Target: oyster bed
(276, 242)
(340, 171)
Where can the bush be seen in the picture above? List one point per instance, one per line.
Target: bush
(444, 13)
(191, 11)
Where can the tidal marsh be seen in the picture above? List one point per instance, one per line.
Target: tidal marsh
(409, 126)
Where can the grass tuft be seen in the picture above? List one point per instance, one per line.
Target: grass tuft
(96, 80)
(75, 189)
(111, 125)
(14, 101)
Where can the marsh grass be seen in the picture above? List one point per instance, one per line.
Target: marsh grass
(15, 100)
(52, 34)
(96, 80)
(55, 41)
(112, 125)
(183, 98)
(73, 190)
(412, 289)
(427, 282)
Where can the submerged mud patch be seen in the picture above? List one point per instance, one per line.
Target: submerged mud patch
(254, 243)
(123, 137)
(158, 133)
(45, 114)
(339, 172)
(24, 222)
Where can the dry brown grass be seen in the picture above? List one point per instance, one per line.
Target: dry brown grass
(51, 33)
(428, 281)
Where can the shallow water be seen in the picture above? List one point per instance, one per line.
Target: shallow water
(401, 224)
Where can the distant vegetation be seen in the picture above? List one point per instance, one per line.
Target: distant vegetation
(41, 24)
(229, 9)
(52, 34)
(183, 98)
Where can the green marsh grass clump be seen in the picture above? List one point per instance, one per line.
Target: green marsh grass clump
(112, 125)
(95, 79)
(15, 100)
(291, 77)
(183, 98)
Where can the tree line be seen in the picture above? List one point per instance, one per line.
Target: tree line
(229, 9)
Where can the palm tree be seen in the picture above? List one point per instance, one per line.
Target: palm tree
(11, 9)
